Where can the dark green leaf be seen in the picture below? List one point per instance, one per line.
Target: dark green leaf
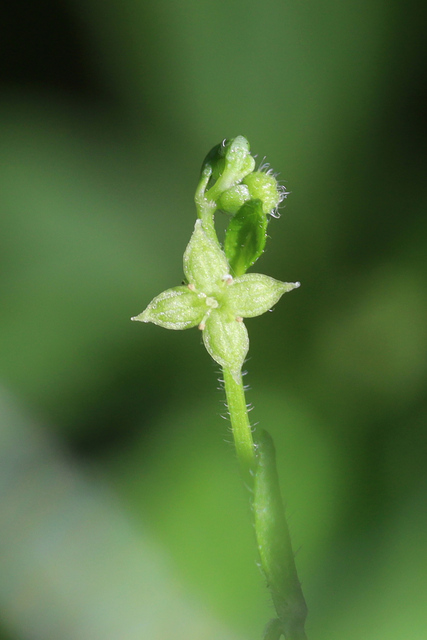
(274, 544)
(245, 237)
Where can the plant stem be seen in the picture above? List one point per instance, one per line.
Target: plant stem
(274, 546)
(242, 432)
(205, 207)
(259, 472)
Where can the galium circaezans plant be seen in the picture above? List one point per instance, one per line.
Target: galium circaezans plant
(217, 296)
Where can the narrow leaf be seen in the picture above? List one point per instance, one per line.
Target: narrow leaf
(245, 237)
(274, 543)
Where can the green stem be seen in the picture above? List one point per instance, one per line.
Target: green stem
(274, 546)
(274, 630)
(242, 431)
(258, 468)
(205, 207)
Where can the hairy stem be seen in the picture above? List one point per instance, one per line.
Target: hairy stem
(242, 431)
(258, 467)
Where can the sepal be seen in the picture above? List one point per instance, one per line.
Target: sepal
(253, 294)
(176, 308)
(205, 263)
(226, 341)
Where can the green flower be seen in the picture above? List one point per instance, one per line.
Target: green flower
(215, 301)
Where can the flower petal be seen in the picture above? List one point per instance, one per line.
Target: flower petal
(177, 308)
(253, 294)
(226, 341)
(205, 263)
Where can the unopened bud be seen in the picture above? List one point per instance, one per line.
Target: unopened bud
(264, 186)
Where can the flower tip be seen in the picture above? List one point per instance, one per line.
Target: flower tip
(139, 318)
(290, 286)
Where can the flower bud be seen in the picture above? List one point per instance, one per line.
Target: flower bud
(264, 186)
(231, 201)
(230, 162)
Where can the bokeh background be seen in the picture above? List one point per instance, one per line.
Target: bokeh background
(122, 513)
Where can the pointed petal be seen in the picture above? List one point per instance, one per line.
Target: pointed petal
(205, 263)
(253, 294)
(226, 341)
(177, 308)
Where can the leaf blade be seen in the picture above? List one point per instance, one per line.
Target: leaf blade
(245, 237)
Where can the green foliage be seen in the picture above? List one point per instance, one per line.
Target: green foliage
(274, 544)
(246, 237)
(214, 300)
(95, 190)
(217, 303)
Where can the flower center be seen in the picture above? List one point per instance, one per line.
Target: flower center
(212, 302)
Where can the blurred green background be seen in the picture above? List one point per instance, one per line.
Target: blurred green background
(122, 513)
